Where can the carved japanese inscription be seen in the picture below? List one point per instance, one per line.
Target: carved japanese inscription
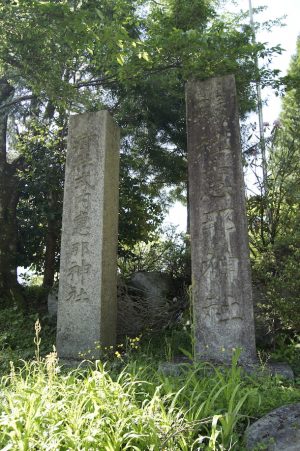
(222, 292)
(87, 288)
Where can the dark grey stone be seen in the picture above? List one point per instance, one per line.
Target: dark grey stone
(150, 300)
(279, 430)
(155, 287)
(171, 369)
(221, 277)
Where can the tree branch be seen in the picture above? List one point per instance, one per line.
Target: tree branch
(95, 82)
(18, 163)
(16, 101)
(113, 79)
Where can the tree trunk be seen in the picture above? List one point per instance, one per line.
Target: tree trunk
(8, 226)
(188, 219)
(49, 271)
(53, 226)
(188, 265)
(9, 195)
(51, 244)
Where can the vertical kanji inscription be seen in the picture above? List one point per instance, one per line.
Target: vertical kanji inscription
(88, 271)
(222, 292)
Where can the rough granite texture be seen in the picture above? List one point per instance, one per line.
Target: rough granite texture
(87, 300)
(221, 278)
(279, 430)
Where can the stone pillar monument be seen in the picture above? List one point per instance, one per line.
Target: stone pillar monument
(221, 277)
(87, 300)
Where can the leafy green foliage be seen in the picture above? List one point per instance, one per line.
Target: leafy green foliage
(132, 58)
(43, 147)
(142, 205)
(274, 222)
(73, 34)
(167, 253)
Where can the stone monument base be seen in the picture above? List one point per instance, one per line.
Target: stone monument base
(178, 367)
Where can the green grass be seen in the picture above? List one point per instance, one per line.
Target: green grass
(124, 401)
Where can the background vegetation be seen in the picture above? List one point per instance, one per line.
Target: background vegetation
(133, 58)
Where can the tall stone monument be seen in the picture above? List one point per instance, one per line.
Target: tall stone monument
(221, 277)
(87, 300)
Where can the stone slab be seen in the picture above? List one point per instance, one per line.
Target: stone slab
(271, 369)
(52, 301)
(87, 301)
(281, 369)
(221, 277)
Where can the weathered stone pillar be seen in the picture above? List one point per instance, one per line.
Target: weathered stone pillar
(221, 277)
(87, 300)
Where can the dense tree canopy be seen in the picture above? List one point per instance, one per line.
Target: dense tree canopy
(131, 57)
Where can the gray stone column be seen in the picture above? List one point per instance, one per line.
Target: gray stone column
(87, 300)
(221, 277)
